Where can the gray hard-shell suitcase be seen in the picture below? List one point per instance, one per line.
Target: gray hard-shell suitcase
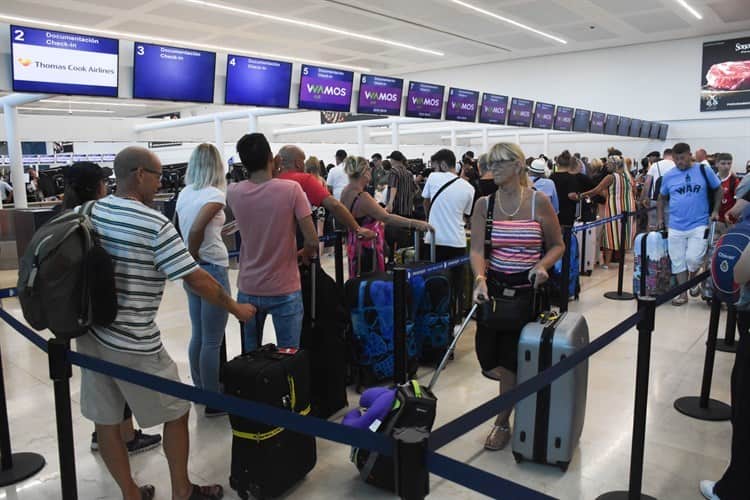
(548, 424)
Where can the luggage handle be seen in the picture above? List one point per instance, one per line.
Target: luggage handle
(417, 246)
(359, 258)
(451, 348)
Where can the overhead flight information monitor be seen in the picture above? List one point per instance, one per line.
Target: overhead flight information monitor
(623, 128)
(56, 62)
(425, 100)
(597, 123)
(655, 128)
(564, 119)
(494, 109)
(581, 120)
(663, 131)
(610, 126)
(325, 89)
(380, 95)
(257, 82)
(635, 128)
(173, 73)
(645, 130)
(462, 105)
(544, 115)
(520, 112)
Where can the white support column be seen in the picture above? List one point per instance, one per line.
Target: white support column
(485, 140)
(453, 140)
(253, 125)
(518, 138)
(394, 135)
(361, 139)
(16, 158)
(546, 144)
(219, 141)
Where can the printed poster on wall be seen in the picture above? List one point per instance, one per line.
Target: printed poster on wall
(725, 81)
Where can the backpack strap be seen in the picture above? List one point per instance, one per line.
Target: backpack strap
(488, 226)
(709, 190)
(442, 188)
(533, 205)
(88, 208)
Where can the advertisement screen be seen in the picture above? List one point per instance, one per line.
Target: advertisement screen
(258, 82)
(462, 105)
(380, 95)
(173, 74)
(564, 119)
(520, 112)
(494, 109)
(623, 128)
(663, 131)
(581, 120)
(63, 63)
(544, 115)
(635, 128)
(425, 100)
(725, 75)
(597, 123)
(645, 130)
(325, 89)
(610, 126)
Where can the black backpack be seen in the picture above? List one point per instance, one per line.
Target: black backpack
(66, 280)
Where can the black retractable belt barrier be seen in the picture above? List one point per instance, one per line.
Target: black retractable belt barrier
(338, 255)
(728, 343)
(703, 407)
(619, 294)
(565, 278)
(60, 371)
(647, 308)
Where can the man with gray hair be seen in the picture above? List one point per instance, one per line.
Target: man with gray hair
(146, 251)
(291, 162)
(448, 200)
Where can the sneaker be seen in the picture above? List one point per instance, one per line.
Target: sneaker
(142, 442)
(94, 442)
(707, 489)
(212, 412)
(695, 291)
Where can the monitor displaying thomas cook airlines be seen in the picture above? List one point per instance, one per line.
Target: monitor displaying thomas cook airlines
(57, 62)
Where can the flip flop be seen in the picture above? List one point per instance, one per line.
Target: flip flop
(147, 492)
(212, 492)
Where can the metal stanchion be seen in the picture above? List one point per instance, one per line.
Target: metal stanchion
(60, 371)
(703, 407)
(400, 289)
(647, 308)
(338, 256)
(728, 343)
(619, 294)
(565, 278)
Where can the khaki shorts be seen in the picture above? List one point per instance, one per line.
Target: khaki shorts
(103, 398)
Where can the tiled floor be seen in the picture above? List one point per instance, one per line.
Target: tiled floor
(679, 450)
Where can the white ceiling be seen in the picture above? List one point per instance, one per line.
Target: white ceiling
(466, 37)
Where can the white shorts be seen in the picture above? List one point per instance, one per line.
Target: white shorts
(687, 249)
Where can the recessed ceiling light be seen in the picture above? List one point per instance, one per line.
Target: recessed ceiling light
(171, 41)
(70, 110)
(690, 9)
(97, 103)
(315, 26)
(509, 21)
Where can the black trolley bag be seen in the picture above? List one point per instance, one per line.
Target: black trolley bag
(324, 338)
(268, 460)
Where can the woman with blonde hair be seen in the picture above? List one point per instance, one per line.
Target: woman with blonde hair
(200, 217)
(312, 167)
(524, 241)
(370, 215)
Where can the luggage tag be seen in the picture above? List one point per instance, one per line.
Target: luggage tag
(509, 292)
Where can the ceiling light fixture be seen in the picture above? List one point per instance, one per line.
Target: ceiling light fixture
(315, 26)
(170, 41)
(509, 21)
(97, 103)
(690, 9)
(70, 110)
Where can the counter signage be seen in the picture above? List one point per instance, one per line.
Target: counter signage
(325, 89)
(725, 75)
(564, 119)
(544, 115)
(611, 125)
(520, 112)
(645, 130)
(635, 128)
(56, 62)
(581, 120)
(597, 122)
(663, 131)
(380, 95)
(173, 73)
(462, 105)
(623, 128)
(425, 100)
(257, 82)
(494, 109)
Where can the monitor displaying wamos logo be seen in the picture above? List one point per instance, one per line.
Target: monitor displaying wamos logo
(462, 105)
(380, 95)
(56, 62)
(425, 100)
(494, 109)
(325, 89)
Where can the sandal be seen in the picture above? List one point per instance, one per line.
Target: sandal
(498, 438)
(147, 492)
(679, 301)
(213, 492)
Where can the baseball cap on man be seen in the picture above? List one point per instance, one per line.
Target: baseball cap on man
(86, 174)
(398, 156)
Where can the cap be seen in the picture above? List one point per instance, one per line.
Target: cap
(86, 174)
(538, 167)
(398, 156)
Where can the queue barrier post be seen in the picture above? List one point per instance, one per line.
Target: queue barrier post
(412, 477)
(703, 407)
(565, 278)
(400, 289)
(619, 294)
(728, 343)
(647, 308)
(338, 256)
(60, 371)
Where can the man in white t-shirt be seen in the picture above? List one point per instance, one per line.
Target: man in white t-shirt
(6, 191)
(448, 200)
(655, 172)
(337, 178)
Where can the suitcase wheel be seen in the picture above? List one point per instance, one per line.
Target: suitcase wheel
(518, 457)
(563, 466)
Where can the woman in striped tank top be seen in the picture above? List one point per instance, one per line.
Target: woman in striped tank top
(524, 224)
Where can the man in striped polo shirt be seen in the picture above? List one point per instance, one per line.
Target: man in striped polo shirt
(146, 251)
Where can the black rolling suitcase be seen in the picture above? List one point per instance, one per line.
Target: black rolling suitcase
(324, 338)
(268, 460)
